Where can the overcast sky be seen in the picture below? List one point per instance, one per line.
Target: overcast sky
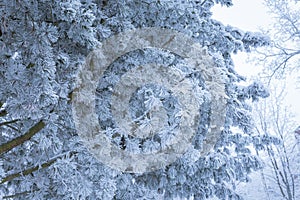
(251, 16)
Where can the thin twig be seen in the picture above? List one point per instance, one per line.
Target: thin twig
(8, 122)
(17, 194)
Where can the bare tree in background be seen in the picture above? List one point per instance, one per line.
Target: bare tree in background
(297, 135)
(283, 55)
(281, 61)
(281, 175)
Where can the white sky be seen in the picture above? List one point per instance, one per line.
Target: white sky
(251, 16)
(244, 14)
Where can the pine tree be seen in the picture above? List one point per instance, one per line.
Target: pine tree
(43, 45)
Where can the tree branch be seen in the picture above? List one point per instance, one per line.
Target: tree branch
(14, 128)
(23, 138)
(283, 64)
(16, 195)
(3, 113)
(8, 122)
(35, 168)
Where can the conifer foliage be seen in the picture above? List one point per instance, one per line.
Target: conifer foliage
(43, 43)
